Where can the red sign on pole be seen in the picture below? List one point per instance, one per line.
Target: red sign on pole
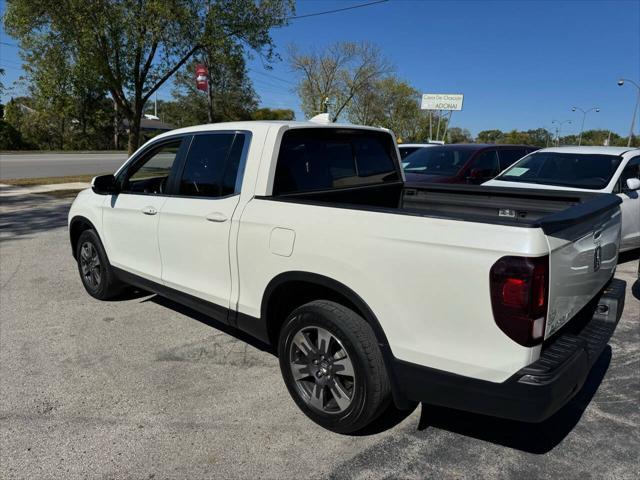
(201, 77)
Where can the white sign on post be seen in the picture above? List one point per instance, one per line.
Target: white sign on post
(442, 101)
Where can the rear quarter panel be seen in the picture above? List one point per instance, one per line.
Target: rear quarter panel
(425, 279)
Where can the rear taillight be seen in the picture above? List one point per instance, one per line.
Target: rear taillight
(519, 293)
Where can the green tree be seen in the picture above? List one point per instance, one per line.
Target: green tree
(393, 103)
(540, 137)
(137, 45)
(336, 75)
(273, 114)
(490, 136)
(230, 95)
(390, 103)
(459, 135)
(10, 138)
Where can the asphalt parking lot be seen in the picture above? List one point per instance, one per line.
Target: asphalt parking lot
(144, 388)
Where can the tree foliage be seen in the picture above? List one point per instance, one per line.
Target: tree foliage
(540, 137)
(458, 135)
(137, 45)
(330, 79)
(273, 114)
(392, 103)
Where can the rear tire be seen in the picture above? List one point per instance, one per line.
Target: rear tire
(96, 273)
(333, 367)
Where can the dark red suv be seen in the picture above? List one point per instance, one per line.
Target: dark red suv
(461, 163)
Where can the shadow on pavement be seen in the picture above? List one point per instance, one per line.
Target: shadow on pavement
(29, 214)
(200, 317)
(529, 437)
(535, 438)
(629, 256)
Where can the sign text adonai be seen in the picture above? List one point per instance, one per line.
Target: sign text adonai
(442, 101)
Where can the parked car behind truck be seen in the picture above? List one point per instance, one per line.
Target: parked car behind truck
(407, 149)
(471, 163)
(306, 237)
(588, 169)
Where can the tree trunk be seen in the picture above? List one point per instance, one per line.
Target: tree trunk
(116, 126)
(209, 91)
(134, 132)
(210, 102)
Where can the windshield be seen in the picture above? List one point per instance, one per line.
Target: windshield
(574, 170)
(404, 151)
(436, 161)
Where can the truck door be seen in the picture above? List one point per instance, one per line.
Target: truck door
(130, 218)
(195, 223)
(630, 236)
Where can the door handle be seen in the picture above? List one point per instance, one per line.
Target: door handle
(217, 217)
(149, 210)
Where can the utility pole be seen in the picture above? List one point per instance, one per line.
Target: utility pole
(635, 110)
(584, 116)
(559, 129)
(446, 126)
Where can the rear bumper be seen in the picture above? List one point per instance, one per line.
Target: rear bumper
(537, 391)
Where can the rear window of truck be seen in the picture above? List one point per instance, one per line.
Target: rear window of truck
(315, 159)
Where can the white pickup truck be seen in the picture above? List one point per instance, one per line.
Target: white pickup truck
(373, 294)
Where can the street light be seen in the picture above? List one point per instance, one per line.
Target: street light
(635, 110)
(584, 115)
(559, 128)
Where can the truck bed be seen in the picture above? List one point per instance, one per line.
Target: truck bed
(550, 210)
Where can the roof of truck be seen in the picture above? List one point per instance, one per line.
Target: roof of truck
(260, 124)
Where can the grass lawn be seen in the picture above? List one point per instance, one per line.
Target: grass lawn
(28, 182)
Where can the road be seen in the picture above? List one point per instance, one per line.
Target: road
(35, 165)
(144, 388)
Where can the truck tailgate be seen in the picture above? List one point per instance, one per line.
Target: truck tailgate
(583, 253)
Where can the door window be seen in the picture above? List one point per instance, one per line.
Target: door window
(631, 170)
(484, 167)
(509, 157)
(212, 165)
(151, 173)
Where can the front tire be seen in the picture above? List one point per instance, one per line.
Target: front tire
(95, 271)
(333, 367)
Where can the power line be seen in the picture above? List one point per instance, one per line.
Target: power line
(337, 10)
(259, 81)
(9, 44)
(271, 76)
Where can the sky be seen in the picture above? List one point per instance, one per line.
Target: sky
(519, 64)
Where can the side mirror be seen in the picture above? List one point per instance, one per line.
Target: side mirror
(633, 183)
(104, 185)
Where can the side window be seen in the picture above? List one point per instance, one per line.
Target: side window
(631, 170)
(212, 164)
(150, 175)
(484, 167)
(509, 157)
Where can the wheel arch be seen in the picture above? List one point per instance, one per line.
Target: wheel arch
(284, 286)
(77, 225)
(289, 290)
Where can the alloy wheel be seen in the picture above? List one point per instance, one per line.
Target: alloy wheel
(90, 265)
(322, 370)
